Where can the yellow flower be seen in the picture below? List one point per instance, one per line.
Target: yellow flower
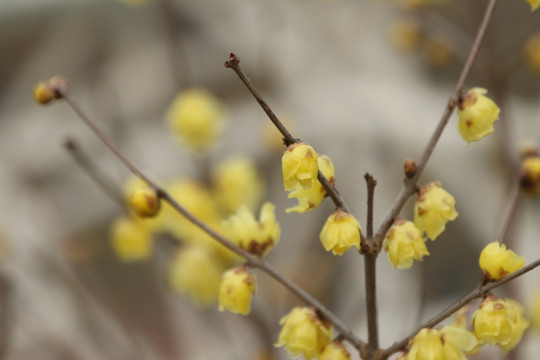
(499, 322)
(335, 351)
(531, 52)
(130, 240)
(311, 198)
(145, 202)
(447, 343)
(235, 290)
(299, 165)
(135, 2)
(530, 175)
(236, 182)
(340, 232)
(257, 237)
(477, 113)
(194, 272)
(433, 209)
(303, 333)
(195, 118)
(534, 4)
(496, 262)
(404, 244)
(535, 311)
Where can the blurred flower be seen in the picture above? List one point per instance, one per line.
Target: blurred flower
(404, 244)
(135, 2)
(145, 202)
(303, 333)
(535, 311)
(477, 113)
(438, 52)
(530, 175)
(254, 236)
(335, 351)
(300, 166)
(194, 272)
(499, 322)
(448, 343)
(531, 52)
(340, 232)
(195, 118)
(236, 182)
(496, 262)
(311, 198)
(534, 4)
(434, 207)
(130, 239)
(237, 286)
(406, 35)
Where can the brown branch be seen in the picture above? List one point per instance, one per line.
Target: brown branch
(476, 293)
(410, 184)
(250, 259)
(233, 62)
(370, 183)
(510, 204)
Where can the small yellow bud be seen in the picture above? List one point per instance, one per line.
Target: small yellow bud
(434, 207)
(300, 166)
(496, 262)
(237, 286)
(304, 333)
(195, 118)
(409, 168)
(534, 4)
(530, 175)
(52, 89)
(499, 322)
(145, 202)
(335, 351)
(477, 113)
(311, 198)
(130, 240)
(236, 182)
(404, 244)
(447, 343)
(340, 232)
(194, 272)
(257, 237)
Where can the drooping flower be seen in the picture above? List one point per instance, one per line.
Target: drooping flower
(447, 343)
(235, 290)
(131, 240)
(145, 202)
(304, 333)
(255, 236)
(433, 209)
(477, 113)
(299, 166)
(497, 262)
(340, 232)
(335, 351)
(499, 322)
(404, 244)
(311, 198)
(195, 118)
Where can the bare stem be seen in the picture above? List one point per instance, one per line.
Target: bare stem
(370, 183)
(410, 184)
(509, 209)
(476, 293)
(250, 259)
(370, 261)
(233, 62)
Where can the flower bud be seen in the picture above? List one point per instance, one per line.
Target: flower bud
(300, 166)
(52, 89)
(496, 262)
(404, 244)
(235, 290)
(409, 167)
(304, 333)
(433, 209)
(477, 113)
(335, 351)
(131, 240)
(530, 175)
(145, 202)
(340, 232)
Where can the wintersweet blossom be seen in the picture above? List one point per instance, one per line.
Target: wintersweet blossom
(340, 231)
(235, 290)
(499, 322)
(335, 351)
(434, 207)
(311, 198)
(447, 343)
(131, 240)
(145, 202)
(255, 236)
(299, 165)
(404, 244)
(304, 333)
(477, 113)
(497, 262)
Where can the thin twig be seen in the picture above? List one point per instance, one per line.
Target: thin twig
(476, 293)
(233, 62)
(250, 259)
(370, 183)
(510, 204)
(370, 261)
(410, 184)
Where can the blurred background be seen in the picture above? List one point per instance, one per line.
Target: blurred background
(364, 82)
